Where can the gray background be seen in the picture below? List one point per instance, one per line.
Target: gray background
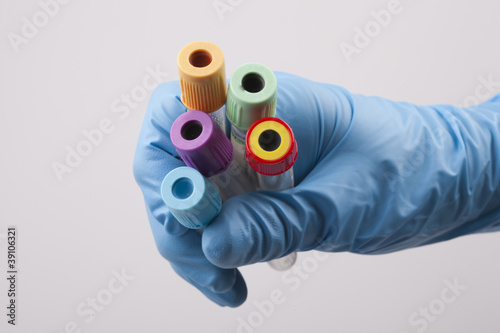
(74, 233)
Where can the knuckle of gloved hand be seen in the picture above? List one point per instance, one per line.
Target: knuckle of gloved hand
(220, 283)
(170, 249)
(164, 251)
(173, 227)
(218, 250)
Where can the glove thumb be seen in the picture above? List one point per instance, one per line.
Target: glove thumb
(260, 226)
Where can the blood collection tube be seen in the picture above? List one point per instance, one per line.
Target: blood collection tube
(192, 199)
(203, 145)
(271, 150)
(203, 80)
(251, 95)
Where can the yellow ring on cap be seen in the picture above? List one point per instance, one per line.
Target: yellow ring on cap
(286, 140)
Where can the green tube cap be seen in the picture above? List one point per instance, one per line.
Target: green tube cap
(252, 95)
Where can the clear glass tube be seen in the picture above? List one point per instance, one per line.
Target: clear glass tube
(232, 182)
(279, 182)
(219, 117)
(238, 142)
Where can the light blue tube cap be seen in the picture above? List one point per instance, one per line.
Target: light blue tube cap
(191, 198)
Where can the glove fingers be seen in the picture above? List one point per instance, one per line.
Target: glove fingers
(155, 157)
(183, 250)
(259, 226)
(323, 212)
(233, 297)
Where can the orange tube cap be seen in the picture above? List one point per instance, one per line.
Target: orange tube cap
(202, 76)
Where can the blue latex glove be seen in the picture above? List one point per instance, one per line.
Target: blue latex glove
(373, 176)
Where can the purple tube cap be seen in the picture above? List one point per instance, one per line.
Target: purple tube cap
(201, 143)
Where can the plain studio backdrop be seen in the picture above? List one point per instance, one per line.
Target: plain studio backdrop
(65, 67)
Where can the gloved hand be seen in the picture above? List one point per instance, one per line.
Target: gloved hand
(373, 176)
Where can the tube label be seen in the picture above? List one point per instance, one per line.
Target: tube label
(238, 135)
